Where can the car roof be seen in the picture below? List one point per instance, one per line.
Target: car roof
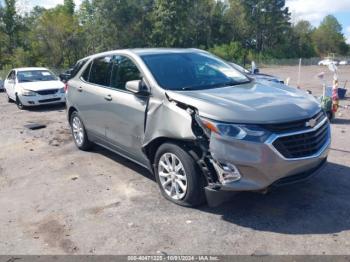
(146, 51)
(155, 51)
(30, 68)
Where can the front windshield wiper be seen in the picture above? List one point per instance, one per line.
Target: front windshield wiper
(216, 85)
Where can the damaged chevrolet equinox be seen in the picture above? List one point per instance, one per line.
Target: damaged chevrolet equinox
(198, 124)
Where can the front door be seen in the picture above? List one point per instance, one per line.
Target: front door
(125, 112)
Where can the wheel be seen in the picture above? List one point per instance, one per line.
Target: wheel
(79, 133)
(19, 103)
(178, 176)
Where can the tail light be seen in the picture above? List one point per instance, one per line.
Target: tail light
(65, 87)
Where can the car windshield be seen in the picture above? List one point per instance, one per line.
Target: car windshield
(35, 76)
(192, 71)
(240, 68)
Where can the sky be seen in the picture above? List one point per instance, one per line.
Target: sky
(311, 10)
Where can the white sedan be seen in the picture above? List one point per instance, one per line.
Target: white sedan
(32, 86)
(327, 62)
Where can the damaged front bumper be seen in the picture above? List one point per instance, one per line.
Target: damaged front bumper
(260, 165)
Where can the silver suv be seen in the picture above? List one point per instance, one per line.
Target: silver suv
(198, 124)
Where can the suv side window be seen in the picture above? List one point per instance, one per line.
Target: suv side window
(86, 74)
(123, 70)
(100, 72)
(77, 67)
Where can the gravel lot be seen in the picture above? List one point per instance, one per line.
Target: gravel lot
(55, 199)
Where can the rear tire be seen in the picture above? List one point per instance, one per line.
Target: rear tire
(79, 133)
(178, 176)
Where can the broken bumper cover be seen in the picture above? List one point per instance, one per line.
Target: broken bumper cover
(261, 166)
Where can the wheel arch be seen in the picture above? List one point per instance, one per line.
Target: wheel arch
(70, 112)
(151, 148)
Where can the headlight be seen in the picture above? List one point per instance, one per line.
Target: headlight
(28, 93)
(61, 90)
(248, 132)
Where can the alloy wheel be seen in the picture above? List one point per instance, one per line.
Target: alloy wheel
(78, 130)
(172, 176)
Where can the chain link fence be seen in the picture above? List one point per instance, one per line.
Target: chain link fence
(295, 61)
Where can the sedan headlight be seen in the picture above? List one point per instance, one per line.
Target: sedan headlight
(26, 92)
(61, 90)
(247, 132)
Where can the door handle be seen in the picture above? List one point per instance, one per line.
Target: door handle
(80, 89)
(108, 97)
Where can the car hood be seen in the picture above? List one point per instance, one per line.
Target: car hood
(254, 102)
(41, 85)
(264, 77)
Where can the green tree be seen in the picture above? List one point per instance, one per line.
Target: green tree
(90, 32)
(267, 22)
(55, 38)
(69, 6)
(170, 23)
(123, 24)
(303, 31)
(9, 17)
(328, 37)
(233, 52)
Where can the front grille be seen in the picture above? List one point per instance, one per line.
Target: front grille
(47, 92)
(295, 125)
(49, 100)
(304, 144)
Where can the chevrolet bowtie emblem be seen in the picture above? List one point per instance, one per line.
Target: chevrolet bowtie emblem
(311, 123)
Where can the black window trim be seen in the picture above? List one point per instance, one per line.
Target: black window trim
(108, 87)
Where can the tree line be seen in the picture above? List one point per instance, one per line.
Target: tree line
(237, 30)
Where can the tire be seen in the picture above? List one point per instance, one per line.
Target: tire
(79, 133)
(189, 176)
(19, 103)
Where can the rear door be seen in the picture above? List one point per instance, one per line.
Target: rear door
(90, 95)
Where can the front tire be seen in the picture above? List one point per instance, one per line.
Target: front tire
(19, 103)
(178, 176)
(79, 133)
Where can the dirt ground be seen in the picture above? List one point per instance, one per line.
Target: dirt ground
(55, 199)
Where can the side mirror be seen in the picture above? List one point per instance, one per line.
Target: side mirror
(137, 87)
(309, 92)
(64, 77)
(256, 71)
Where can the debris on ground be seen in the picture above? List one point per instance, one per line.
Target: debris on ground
(35, 126)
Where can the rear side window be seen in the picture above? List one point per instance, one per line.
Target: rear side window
(100, 72)
(123, 70)
(77, 67)
(86, 73)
